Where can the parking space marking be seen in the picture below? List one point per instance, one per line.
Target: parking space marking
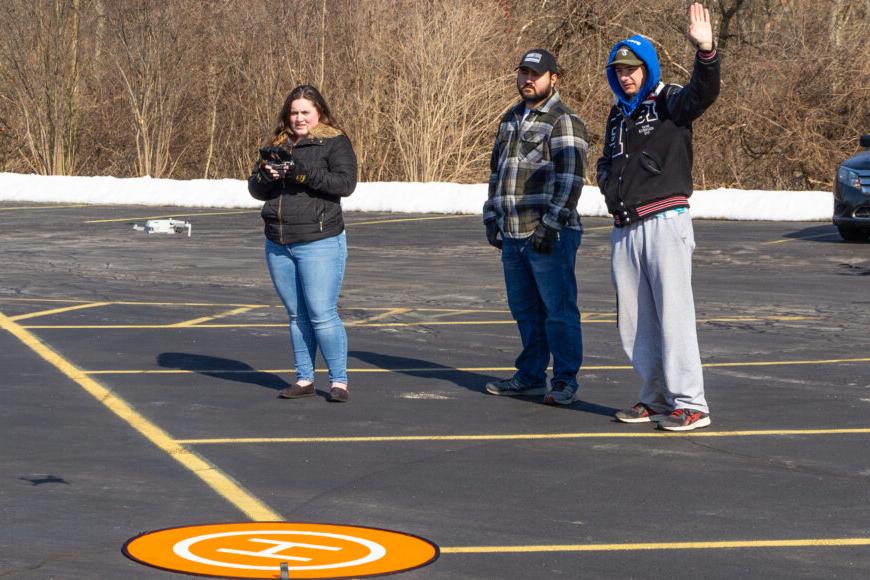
(179, 213)
(796, 239)
(387, 314)
(418, 219)
(591, 318)
(444, 369)
(58, 310)
(720, 545)
(529, 436)
(202, 319)
(233, 492)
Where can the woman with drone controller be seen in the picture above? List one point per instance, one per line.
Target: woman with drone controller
(306, 165)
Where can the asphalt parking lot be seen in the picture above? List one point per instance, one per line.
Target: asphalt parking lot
(139, 393)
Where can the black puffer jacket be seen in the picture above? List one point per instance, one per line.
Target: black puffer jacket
(305, 212)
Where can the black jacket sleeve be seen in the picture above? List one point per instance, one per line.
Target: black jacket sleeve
(687, 103)
(339, 177)
(602, 168)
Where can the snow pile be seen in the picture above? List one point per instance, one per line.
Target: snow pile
(731, 204)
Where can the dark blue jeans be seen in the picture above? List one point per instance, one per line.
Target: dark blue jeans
(542, 296)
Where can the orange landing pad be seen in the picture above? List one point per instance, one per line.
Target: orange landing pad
(257, 550)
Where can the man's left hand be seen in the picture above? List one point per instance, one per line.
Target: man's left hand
(543, 238)
(700, 32)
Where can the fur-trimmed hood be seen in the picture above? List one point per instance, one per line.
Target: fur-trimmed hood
(324, 131)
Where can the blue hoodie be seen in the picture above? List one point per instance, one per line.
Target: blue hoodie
(646, 52)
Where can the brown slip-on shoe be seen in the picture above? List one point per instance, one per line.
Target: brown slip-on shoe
(296, 392)
(337, 395)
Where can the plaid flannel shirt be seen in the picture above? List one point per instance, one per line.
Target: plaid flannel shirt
(537, 169)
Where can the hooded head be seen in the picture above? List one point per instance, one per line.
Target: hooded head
(640, 49)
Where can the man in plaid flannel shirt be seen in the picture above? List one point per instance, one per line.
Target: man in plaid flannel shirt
(538, 165)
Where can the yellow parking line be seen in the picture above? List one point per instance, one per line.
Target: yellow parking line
(721, 545)
(462, 369)
(600, 318)
(43, 207)
(180, 213)
(759, 318)
(252, 507)
(197, 321)
(528, 436)
(787, 240)
(57, 310)
(419, 219)
(387, 314)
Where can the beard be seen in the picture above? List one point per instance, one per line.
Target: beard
(535, 96)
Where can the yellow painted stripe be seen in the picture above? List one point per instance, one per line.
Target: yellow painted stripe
(197, 321)
(258, 325)
(174, 215)
(721, 545)
(585, 316)
(787, 240)
(600, 319)
(529, 436)
(225, 486)
(830, 361)
(758, 318)
(43, 207)
(387, 314)
(138, 303)
(419, 219)
(57, 310)
(461, 369)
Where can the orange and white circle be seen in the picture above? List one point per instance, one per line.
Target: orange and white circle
(257, 550)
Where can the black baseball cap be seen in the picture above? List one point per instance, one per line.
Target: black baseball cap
(539, 60)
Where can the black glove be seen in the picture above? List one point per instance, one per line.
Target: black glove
(543, 238)
(263, 174)
(492, 234)
(295, 171)
(278, 159)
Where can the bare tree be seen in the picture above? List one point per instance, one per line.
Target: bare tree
(184, 89)
(150, 63)
(40, 72)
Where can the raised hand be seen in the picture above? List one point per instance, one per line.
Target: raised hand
(700, 32)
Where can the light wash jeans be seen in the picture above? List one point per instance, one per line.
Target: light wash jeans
(308, 277)
(542, 296)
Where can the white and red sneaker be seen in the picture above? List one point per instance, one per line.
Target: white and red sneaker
(684, 420)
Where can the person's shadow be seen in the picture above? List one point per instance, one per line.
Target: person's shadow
(222, 368)
(470, 380)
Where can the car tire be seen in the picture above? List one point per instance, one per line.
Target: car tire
(853, 234)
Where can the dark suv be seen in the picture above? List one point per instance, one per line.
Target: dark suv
(852, 195)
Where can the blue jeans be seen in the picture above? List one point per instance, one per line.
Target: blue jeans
(542, 296)
(308, 277)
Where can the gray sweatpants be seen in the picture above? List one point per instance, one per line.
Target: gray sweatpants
(652, 273)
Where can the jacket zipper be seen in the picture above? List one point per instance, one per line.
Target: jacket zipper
(280, 219)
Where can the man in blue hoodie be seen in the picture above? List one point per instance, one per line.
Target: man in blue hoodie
(645, 174)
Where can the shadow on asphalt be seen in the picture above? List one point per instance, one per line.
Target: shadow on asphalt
(221, 368)
(475, 382)
(414, 367)
(826, 234)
